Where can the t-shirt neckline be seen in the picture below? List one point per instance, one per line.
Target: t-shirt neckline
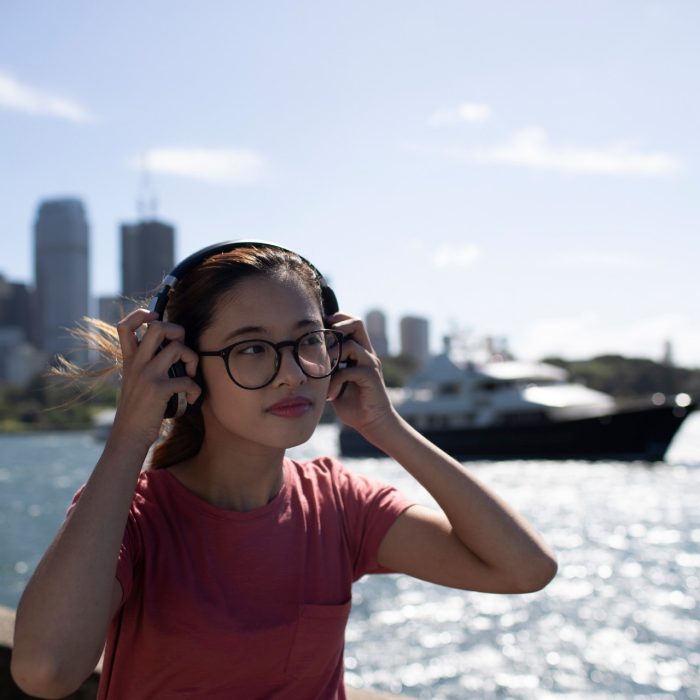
(198, 504)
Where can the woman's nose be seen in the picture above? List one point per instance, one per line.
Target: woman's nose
(289, 372)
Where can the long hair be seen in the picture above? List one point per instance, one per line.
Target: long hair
(191, 305)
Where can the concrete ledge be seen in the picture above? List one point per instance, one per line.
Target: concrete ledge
(88, 691)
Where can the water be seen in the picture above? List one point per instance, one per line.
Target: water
(621, 620)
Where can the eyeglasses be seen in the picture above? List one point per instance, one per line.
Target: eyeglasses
(253, 364)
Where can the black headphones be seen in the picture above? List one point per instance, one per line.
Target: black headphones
(177, 405)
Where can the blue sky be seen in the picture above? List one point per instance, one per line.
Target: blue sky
(522, 169)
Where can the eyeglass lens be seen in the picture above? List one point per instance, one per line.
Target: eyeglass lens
(254, 363)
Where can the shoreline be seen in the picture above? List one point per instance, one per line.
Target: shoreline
(45, 430)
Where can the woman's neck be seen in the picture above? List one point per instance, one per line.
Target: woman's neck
(235, 477)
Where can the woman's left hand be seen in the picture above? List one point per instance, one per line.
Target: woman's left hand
(357, 391)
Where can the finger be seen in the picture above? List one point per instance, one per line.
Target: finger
(172, 353)
(191, 361)
(338, 316)
(358, 377)
(361, 366)
(158, 334)
(341, 320)
(187, 386)
(126, 331)
(337, 387)
(355, 353)
(354, 328)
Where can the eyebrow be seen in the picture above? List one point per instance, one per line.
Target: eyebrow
(247, 330)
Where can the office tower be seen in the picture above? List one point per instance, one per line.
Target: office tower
(16, 306)
(61, 260)
(376, 328)
(148, 253)
(414, 339)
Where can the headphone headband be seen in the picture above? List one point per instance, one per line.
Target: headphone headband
(160, 300)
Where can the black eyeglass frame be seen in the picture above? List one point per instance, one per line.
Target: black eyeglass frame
(225, 352)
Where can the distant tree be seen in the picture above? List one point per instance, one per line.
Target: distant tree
(47, 404)
(398, 369)
(626, 377)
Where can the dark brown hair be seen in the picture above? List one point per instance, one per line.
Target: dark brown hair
(191, 304)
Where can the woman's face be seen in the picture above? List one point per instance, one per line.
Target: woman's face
(286, 411)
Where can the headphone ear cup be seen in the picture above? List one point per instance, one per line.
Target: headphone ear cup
(328, 301)
(177, 403)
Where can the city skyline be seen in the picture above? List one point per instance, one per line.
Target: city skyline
(104, 306)
(36, 316)
(504, 170)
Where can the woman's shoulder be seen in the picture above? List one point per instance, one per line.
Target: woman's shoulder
(318, 467)
(329, 472)
(152, 486)
(152, 478)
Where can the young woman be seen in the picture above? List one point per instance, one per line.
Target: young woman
(224, 569)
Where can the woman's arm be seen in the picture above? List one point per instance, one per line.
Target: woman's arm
(62, 618)
(64, 613)
(477, 542)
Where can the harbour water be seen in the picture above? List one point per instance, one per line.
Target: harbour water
(621, 620)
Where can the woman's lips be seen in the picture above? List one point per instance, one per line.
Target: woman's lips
(291, 408)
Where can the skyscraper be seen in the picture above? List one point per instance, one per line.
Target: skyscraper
(16, 309)
(61, 263)
(148, 253)
(414, 339)
(376, 328)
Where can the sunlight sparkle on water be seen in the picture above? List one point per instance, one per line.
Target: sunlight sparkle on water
(621, 620)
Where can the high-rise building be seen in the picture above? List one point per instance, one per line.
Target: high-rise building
(16, 306)
(148, 253)
(376, 328)
(414, 339)
(61, 261)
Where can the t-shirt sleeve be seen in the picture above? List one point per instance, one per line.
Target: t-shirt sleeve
(370, 508)
(128, 551)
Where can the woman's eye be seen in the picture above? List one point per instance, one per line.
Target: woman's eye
(312, 339)
(251, 349)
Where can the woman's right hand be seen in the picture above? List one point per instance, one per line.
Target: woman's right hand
(146, 386)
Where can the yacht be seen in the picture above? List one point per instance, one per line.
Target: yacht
(510, 409)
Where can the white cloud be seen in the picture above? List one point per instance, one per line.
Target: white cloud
(18, 97)
(228, 166)
(587, 335)
(530, 148)
(467, 112)
(456, 256)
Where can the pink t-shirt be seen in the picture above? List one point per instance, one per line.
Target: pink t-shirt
(226, 605)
